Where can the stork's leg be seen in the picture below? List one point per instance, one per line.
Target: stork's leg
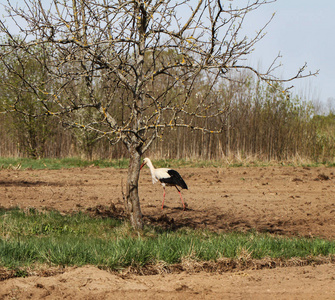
(163, 197)
(181, 198)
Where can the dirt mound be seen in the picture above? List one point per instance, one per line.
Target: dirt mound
(92, 283)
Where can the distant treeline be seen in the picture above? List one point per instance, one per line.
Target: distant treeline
(262, 123)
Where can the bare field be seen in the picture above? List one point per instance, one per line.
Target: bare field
(281, 200)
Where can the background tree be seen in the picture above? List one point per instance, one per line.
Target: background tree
(30, 134)
(134, 67)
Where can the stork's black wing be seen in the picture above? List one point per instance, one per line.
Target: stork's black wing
(174, 179)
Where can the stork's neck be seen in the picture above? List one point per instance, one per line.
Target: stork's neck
(151, 167)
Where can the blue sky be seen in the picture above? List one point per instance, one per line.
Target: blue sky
(303, 31)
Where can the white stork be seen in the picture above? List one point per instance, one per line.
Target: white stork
(167, 177)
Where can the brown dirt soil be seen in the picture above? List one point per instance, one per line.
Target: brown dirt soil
(280, 200)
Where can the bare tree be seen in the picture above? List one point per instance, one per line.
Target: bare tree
(134, 65)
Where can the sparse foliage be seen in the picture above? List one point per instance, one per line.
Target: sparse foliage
(126, 70)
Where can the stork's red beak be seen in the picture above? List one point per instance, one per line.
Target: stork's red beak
(142, 165)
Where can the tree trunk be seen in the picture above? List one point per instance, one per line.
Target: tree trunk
(132, 199)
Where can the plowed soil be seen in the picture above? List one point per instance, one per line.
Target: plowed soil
(280, 200)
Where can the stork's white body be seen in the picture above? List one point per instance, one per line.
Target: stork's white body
(167, 177)
(157, 174)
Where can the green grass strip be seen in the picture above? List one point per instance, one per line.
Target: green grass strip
(55, 164)
(48, 237)
(168, 247)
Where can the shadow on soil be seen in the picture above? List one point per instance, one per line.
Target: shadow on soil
(170, 219)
